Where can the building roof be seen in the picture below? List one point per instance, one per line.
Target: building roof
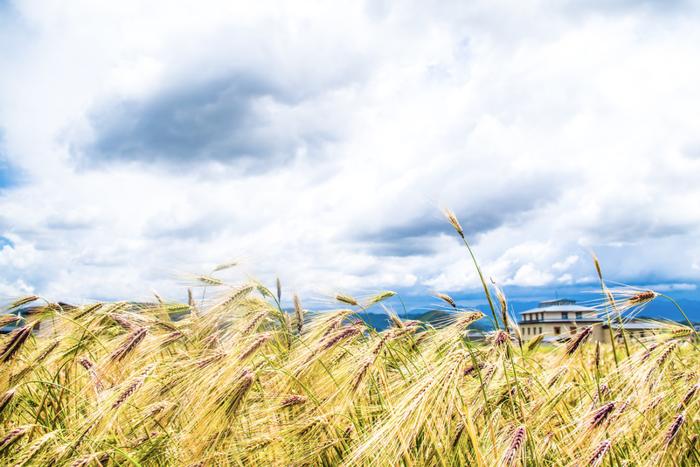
(558, 301)
(559, 308)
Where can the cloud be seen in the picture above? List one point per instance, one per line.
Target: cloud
(625, 6)
(671, 287)
(318, 143)
(237, 118)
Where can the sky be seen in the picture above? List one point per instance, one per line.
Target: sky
(142, 143)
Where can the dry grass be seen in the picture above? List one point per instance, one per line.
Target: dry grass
(240, 384)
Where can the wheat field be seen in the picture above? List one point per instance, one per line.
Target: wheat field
(239, 380)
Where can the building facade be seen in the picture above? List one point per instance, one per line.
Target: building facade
(560, 319)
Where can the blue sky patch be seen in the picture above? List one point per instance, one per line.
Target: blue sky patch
(6, 177)
(4, 241)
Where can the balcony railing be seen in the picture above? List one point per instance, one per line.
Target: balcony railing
(559, 318)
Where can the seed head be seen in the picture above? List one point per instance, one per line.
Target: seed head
(689, 396)
(17, 338)
(455, 223)
(674, 428)
(500, 338)
(129, 344)
(446, 298)
(599, 454)
(170, 338)
(298, 313)
(134, 386)
(664, 356)
(11, 437)
(293, 400)
(122, 321)
(6, 398)
(472, 369)
(239, 391)
(209, 360)
(642, 297)
(464, 319)
(343, 334)
(534, 343)
(254, 322)
(601, 414)
(8, 319)
(90, 368)
(255, 345)
(346, 299)
(381, 296)
(578, 339)
(361, 374)
(516, 443)
(596, 263)
(208, 280)
(23, 301)
(190, 298)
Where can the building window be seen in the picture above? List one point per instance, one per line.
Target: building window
(572, 330)
(542, 316)
(579, 315)
(564, 315)
(557, 330)
(540, 329)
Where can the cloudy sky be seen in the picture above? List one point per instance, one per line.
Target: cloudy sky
(144, 141)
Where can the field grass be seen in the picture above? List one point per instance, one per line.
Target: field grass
(242, 382)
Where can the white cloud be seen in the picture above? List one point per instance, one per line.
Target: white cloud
(550, 132)
(529, 276)
(671, 287)
(566, 263)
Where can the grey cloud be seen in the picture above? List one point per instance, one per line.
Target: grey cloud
(405, 246)
(199, 229)
(505, 205)
(216, 120)
(658, 6)
(630, 227)
(692, 150)
(59, 223)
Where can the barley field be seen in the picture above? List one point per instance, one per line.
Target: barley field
(240, 380)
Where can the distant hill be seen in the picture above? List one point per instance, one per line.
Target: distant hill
(376, 320)
(658, 309)
(436, 318)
